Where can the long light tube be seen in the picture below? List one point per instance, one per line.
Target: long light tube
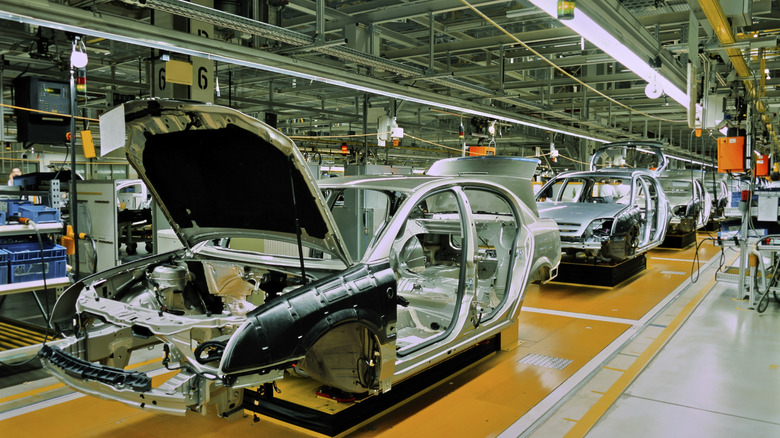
(599, 37)
(701, 163)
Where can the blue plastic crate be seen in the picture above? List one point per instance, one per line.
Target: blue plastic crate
(21, 251)
(3, 266)
(24, 261)
(735, 198)
(13, 205)
(32, 270)
(40, 214)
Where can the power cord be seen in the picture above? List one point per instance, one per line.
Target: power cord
(94, 250)
(696, 262)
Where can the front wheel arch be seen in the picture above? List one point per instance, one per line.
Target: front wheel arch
(632, 240)
(347, 356)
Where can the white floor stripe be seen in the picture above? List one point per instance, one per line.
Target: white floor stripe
(581, 315)
(42, 405)
(58, 400)
(672, 260)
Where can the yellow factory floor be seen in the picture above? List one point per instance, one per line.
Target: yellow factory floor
(503, 394)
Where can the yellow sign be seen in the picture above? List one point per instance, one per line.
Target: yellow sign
(178, 72)
(87, 144)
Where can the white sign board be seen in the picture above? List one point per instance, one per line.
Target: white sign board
(112, 130)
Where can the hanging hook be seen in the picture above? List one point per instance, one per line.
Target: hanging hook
(78, 56)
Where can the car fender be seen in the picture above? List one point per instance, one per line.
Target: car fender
(281, 330)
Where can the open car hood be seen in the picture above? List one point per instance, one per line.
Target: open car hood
(217, 173)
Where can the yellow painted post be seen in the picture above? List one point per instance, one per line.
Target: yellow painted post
(510, 337)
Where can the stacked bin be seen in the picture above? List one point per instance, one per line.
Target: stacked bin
(40, 214)
(14, 204)
(25, 264)
(3, 266)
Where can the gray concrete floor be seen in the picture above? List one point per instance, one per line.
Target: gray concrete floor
(719, 376)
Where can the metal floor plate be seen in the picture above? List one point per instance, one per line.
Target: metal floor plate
(556, 363)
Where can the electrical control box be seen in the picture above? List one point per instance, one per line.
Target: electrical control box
(481, 151)
(731, 154)
(50, 96)
(762, 165)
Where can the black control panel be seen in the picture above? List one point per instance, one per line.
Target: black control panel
(50, 96)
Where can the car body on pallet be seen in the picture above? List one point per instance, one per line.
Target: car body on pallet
(267, 285)
(720, 193)
(609, 214)
(690, 203)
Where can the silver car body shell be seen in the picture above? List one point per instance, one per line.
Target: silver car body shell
(695, 198)
(575, 218)
(137, 323)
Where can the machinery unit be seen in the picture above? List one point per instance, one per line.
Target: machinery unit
(731, 154)
(481, 151)
(43, 95)
(762, 165)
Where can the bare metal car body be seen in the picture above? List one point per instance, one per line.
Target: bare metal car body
(689, 200)
(720, 193)
(611, 214)
(266, 284)
(725, 190)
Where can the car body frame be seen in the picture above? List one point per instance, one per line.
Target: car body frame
(267, 286)
(689, 201)
(610, 214)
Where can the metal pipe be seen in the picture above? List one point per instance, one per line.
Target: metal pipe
(320, 24)
(2, 108)
(501, 55)
(365, 124)
(430, 42)
(72, 196)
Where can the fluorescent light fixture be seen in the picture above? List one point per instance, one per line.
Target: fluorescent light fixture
(593, 32)
(701, 163)
(518, 13)
(688, 160)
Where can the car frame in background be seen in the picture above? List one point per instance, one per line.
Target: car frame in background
(689, 201)
(267, 284)
(610, 214)
(720, 194)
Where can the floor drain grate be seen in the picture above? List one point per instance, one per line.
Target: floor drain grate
(556, 363)
(674, 273)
